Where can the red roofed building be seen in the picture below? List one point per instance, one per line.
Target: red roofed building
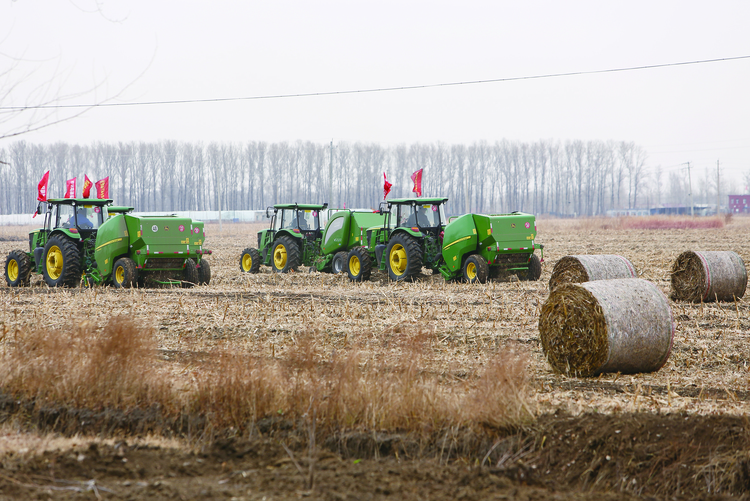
(739, 204)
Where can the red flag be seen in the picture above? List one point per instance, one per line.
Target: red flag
(417, 180)
(87, 184)
(42, 188)
(102, 188)
(70, 188)
(42, 191)
(386, 186)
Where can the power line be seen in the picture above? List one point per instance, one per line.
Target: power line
(373, 90)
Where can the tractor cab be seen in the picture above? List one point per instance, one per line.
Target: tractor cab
(299, 219)
(77, 217)
(426, 215)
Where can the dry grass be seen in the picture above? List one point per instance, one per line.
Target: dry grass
(117, 367)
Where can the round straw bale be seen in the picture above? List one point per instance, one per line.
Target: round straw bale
(708, 276)
(587, 268)
(621, 325)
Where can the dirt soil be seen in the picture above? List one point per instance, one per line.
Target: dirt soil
(680, 433)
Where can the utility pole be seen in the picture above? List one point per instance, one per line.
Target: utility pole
(690, 189)
(718, 189)
(330, 178)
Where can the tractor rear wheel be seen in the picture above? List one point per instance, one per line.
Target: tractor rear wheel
(339, 262)
(250, 260)
(189, 274)
(124, 273)
(476, 269)
(404, 258)
(61, 263)
(204, 272)
(285, 255)
(535, 269)
(17, 268)
(359, 265)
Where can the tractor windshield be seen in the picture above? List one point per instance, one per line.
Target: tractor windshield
(85, 217)
(308, 220)
(429, 216)
(288, 219)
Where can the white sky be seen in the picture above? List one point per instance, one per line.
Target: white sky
(140, 50)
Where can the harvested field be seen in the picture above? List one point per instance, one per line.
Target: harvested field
(438, 349)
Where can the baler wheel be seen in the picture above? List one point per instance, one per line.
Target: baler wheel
(535, 269)
(250, 260)
(339, 262)
(17, 268)
(475, 269)
(61, 262)
(285, 255)
(190, 274)
(204, 272)
(124, 273)
(359, 265)
(404, 258)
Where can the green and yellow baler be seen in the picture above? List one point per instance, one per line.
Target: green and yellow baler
(82, 242)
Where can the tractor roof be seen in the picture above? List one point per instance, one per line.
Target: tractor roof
(301, 206)
(81, 201)
(418, 200)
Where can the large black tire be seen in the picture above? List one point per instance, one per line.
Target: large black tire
(285, 255)
(204, 272)
(250, 260)
(475, 269)
(17, 268)
(403, 258)
(61, 262)
(339, 262)
(124, 273)
(535, 269)
(359, 265)
(189, 274)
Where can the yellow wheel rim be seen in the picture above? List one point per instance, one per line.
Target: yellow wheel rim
(13, 270)
(398, 259)
(279, 257)
(247, 262)
(120, 275)
(354, 265)
(54, 262)
(471, 271)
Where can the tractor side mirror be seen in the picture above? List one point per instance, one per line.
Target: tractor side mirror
(268, 212)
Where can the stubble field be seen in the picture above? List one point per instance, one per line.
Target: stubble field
(286, 386)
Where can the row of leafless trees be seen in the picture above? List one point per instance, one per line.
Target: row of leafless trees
(544, 177)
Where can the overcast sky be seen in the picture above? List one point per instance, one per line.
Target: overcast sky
(152, 51)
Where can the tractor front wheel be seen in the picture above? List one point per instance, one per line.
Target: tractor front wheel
(535, 269)
(359, 265)
(404, 257)
(285, 255)
(204, 272)
(124, 274)
(17, 268)
(250, 260)
(61, 263)
(189, 274)
(339, 262)
(475, 269)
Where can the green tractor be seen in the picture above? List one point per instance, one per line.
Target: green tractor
(474, 247)
(292, 240)
(82, 241)
(296, 238)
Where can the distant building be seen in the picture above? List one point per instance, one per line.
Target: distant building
(739, 204)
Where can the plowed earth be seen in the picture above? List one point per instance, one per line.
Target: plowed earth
(680, 433)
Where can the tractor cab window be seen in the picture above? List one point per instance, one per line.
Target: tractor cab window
(289, 219)
(308, 220)
(65, 217)
(90, 217)
(406, 216)
(430, 216)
